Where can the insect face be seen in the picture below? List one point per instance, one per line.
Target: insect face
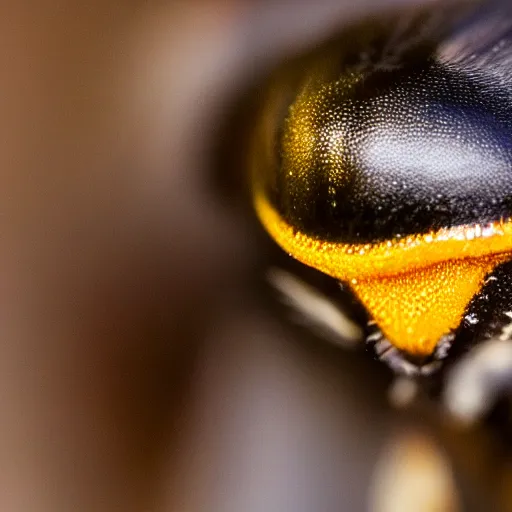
(386, 163)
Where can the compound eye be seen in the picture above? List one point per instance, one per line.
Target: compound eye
(395, 176)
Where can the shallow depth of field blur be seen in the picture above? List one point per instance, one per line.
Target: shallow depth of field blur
(138, 369)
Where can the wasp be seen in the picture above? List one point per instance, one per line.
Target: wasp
(383, 159)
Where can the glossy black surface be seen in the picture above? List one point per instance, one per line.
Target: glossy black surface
(404, 141)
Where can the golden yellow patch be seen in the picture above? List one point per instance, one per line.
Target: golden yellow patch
(416, 288)
(415, 309)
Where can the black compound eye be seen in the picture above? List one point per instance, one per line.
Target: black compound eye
(384, 159)
(379, 154)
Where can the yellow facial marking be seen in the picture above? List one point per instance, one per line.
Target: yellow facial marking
(359, 261)
(415, 309)
(416, 288)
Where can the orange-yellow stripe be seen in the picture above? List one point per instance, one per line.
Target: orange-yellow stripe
(349, 262)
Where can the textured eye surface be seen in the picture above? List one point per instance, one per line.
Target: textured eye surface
(384, 160)
(378, 154)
